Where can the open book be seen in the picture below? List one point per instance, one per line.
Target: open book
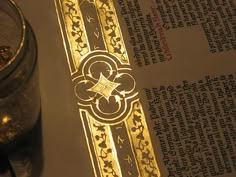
(155, 84)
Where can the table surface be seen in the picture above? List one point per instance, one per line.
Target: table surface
(61, 133)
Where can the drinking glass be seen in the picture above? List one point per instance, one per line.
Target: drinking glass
(19, 84)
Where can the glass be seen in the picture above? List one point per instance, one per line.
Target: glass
(19, 85)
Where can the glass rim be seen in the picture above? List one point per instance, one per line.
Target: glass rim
(33, 69)
(22, 23)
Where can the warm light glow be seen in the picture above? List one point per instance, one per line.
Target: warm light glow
(6, 119)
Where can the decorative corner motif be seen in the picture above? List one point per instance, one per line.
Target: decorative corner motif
(105, 88)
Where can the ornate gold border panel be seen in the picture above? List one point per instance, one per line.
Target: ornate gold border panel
(114, 123)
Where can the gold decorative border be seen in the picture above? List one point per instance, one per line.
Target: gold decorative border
(142, 145)
(75, 33)
(111, 29)
(103, 145)
(99, 135)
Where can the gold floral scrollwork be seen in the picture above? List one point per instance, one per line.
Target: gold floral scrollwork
(75, 31)
(104, 149)
(111, 29)
(141, 141)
